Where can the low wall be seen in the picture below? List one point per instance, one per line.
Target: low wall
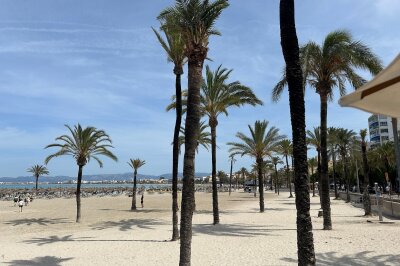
(390, 208)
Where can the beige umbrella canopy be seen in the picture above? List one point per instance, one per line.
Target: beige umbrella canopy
(379, 96)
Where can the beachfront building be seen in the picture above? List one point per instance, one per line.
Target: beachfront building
(380, 130)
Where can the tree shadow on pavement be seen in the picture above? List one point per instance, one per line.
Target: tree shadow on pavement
(40, 241)
(128, 224)
(39, 261)
(37, 221)
(358, 259)
(243, 230)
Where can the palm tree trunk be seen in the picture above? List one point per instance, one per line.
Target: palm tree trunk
(276, 180)
(366, 198)
(175, 153)
(133, 207)
(213, 126)
(334, 172)
(325, 199)
(260, 183)
(290, 48)
(397, 151)
(230, 178)
(195, 67)
(78, 195)
(37, 180)
(288, 177)
(318, 174)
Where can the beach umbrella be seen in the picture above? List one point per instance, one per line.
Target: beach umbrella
(379, 96)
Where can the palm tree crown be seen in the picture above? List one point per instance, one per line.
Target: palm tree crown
(314, 138)
(195, 20)
(38, 170)
(333, 63)
(135, 164)
(217, 94)
(173, 46)
(83, 144)
(260, 144)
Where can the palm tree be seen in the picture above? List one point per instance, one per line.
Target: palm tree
(232, 160)
(261, 144)
(38, 170)
(175, 50)
(217, 95)
(244, 173)
(135, 164)
(366, 199)
(285, 148)
(332, 143)
(344, 139)
(326, 67)
(294, 77)
(312, 162)
(83, 144)
(314, 139)
(275, 161)
(195, 21)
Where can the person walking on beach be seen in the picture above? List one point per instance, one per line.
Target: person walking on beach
(141, 199)
(20, 205)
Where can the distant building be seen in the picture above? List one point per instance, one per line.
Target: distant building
(380, 130)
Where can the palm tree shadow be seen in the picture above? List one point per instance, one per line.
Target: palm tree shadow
(357, 259)
(40, 241)
(39, 261)
(243, 230)
(128, 224)
(37, 221)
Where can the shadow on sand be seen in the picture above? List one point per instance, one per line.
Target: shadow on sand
(40, 241)
(243, 230)
(128, 224)
(39, 261)
(357, 259)
(38, 221)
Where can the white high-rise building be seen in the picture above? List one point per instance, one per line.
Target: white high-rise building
(380, 129)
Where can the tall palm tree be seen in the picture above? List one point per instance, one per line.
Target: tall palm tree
(195, 21)
(314, 139)
(175, 50)
(261, 143)
(83, 144)
(38, 170)
(294, 77)
(217, 95)
(135, 164)
(232, 160)
(366, 199)
(344, 139)
(326, 67)
(244, 173)
(312, 162)
(285, 148)
(332, 143)
(275, 161)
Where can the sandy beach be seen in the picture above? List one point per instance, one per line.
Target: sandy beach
(45, 233)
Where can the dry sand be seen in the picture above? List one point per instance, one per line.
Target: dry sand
(45, 233)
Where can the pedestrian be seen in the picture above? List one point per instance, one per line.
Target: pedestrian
(141, 199)
(20, 204)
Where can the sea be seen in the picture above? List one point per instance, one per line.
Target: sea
(84, 185)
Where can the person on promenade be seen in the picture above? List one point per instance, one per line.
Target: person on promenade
(141, 199)
(20, 205)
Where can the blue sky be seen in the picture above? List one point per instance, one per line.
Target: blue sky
(98, 63)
